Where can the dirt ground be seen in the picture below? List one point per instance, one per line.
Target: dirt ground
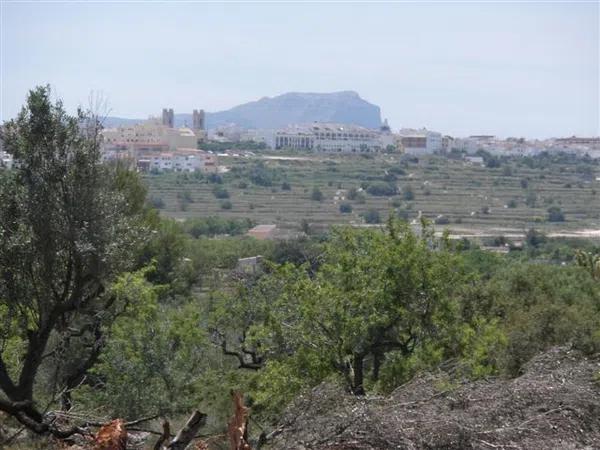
(555, 404)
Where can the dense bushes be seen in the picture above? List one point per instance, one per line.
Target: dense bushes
(214, 225)
(382, 189)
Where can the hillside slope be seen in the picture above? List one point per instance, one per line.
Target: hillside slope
(554, 404)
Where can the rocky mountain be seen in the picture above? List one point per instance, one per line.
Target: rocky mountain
(285, 109)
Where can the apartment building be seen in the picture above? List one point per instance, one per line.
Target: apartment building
(421, 141)
(328, 137)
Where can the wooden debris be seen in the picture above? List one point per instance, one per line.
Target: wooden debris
(111, 436)
(238, 424)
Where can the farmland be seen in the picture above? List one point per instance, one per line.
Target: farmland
(465, 198)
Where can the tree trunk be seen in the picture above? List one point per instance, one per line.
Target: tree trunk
(377, 361)
(188, 432)
(358, 378)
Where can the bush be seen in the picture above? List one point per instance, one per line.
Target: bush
(226, 204)
(262, 176)
(372, 216)
(242, 185)
(524, 183)
(345, 208)
(531, 199)
(442, 220)
(535, 238)
(396, 202)
(408, 193)
(512, 203)
(215, 178)
(555, 214)
(285, 186)
(397, 170)
(352, 193)
(220, 192)
(492, 162)
(382, 189)
(316, 195)
(185, 196)
(156, 202)
(214, 226)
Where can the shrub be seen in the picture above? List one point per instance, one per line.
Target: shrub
(408, 193)
(156, 202)
(215, 178)
(555, 214)
(531, 199)
(285, 186)
(220, 192)
(316, 195)
(512, 203)
(226, 204)
(524, 183)
(492, 162)
(185, 196)
(397, 170)
(402, 214)
(382, 189)
(345, 208)
(352, 193)
(372, 216)
(442, 220)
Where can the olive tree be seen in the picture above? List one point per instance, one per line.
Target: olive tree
(68, 225)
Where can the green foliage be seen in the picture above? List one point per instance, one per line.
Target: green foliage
(157, 352)
(372, 216)
(555, 214)
(215, 225)
(316, 195)
(345, 208)
(226, 204)
(408, 193)
(220, 192)
(541, 305)
(382, 189)
(68, 226)
(156, 202)
(261, 175)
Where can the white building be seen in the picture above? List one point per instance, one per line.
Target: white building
(328, 137)
(182, 160)
(149, 134)
(420, 142)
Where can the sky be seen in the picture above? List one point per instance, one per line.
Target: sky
(523, 69)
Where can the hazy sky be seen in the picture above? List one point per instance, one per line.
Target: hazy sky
(511, 69)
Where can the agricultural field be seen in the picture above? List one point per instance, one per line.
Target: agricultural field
(467, 199)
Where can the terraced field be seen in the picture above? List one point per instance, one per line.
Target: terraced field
(473, 199)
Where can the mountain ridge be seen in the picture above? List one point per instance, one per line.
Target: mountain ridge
(285, 109)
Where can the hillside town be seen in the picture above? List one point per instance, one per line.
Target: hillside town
(156, 145)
